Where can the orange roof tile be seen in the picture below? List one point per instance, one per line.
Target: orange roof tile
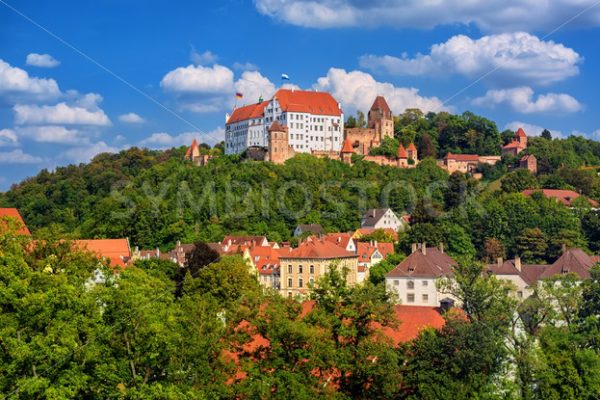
(305, 101)
(251, 111)
(433, 264)
(318, 248)
(413, 320)
(14, 213)
(521, 133)
(347, 147)
(117, 250)
(381, 104)
(462, 157)
(402, 152)
(191, 149)
(513, 145)
(411, 147)
(564, 196)
(339, 239)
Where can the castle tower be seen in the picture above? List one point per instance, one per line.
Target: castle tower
(521, 137)
(193, 152)
(412, 152)
(347, 152)
(381, 119)
(279, 148)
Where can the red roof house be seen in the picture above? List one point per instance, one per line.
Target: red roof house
(13, 213)
(565, 197)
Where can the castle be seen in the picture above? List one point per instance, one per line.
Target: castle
(380, 124)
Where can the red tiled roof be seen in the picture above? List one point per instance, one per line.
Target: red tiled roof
(243, 240)
(513, 145)
(521, 133)
(572, 260)
(191, 149)
(305, 101)
(530, 273)
(14, 213)
(433, 264)
(347, 147)
(117, 250)
(381, 104)
(411, 147)
(318, 248)
(413, 320)
(402, 152)
(251, 111)
(276, 126)
(564, 196)
(462, 157)
(340, 239)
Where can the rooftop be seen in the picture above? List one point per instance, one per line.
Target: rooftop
(14, 213)
(431, 263)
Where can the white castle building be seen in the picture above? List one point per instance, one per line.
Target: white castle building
(314, 122)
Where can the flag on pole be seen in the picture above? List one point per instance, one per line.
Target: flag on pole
(260, 99)
(285, 77)
(239, 95)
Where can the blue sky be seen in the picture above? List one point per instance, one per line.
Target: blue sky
(172, 68)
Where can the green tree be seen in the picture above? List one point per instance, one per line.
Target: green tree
(518, 181)
(531, 245)
(546, 134)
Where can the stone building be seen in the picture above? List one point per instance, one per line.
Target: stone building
(380, 124)
(517, 145)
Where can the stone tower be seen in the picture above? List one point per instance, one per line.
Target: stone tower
(347, 152)
(381, 119)
(279, 148)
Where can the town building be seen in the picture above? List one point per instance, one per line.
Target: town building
(342, 239)
(414, 280)
(13, 215)
(465, 163)
(314, 121)
(529, 162)
(304, 265)
(117, 251)
(517, 145)
(138, 254)
(314, 229)
(523, 276)
(389, 232)
(382, 218)
(566, 197)
(380, 125)
(369, 255)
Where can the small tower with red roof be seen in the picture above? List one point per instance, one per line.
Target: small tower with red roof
(279, 147)
(347, 151)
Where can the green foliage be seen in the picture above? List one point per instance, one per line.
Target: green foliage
(518, 181)
(377, 272)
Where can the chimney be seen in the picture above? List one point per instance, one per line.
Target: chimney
(178, 244)
(413, 248)
(500, 261)
(441, 247)
(424, 248)
(375, 243)
(518, 263)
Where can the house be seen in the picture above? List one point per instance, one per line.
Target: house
(465, 163)
(414, 280)
(304, 265)
(523, 276)
(369, 255)
(313, 121)
(181, 252)
(117, 251)
(362, 232)
(529, 162)
(265, 261)
(14, 215)
(314, 229)
(145, 254)
(382, 218)
(344, 240)
(566, 197)
(232, 240)
(517, 145)
(571, 261)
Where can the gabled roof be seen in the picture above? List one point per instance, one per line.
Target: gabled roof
(528, 157)
(305, 101)
(277, 127)
(365, 250)
(530, 273)
(251, 111)
(244, 240)
(521, 133)
(564, 196)
(313, 228)
(373, 215)
(433, 264)
(402, 152)
(513, 145)
(413, 320)
(14, 213)
(190, 150)
(339, 239)
(462, 157)
(347, 147)
(411, 147)
(381, 104)
(116, 250)
(318, 248)
(572, 260)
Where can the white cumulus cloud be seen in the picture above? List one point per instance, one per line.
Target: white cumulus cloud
(515, 57)
(531, 129)
(18, 157)
(163, 140)
(56, 134)
(522, 100)
(131, 118)
(357, 90)
(253, 85)
(198, 79)
(489, 15)
(17, 85)
(42, 60)
(85, 153)
(8, 137)
(84, 111)
(206, 58)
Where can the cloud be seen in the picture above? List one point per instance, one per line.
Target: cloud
(206, 58)
(196, 79)
(42, 60)
(357, 90)
(253, 85)
(131, 118)
(18, 157)
(84, 111)
(8, 137)
(84, 154)
(488, 15)
(17, 85)
(531, 129)
(244, 66)
(521, 99)
(514, 57)
(163, 140)
(56, 134)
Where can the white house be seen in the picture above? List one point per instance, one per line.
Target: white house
(382, 218)
(413, 281)
(314, 121)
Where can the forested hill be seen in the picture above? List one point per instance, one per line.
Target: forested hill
(155, 198)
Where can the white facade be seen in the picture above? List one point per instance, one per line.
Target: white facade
(415, 291)
(306, 131)
(389, 220)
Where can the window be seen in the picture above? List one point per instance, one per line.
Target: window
(425, 298)
(311, 281)
(520, 294)
(300, 282)
(290, 295)
(410, 284)
(289, 269)
(300, 269)
(290, 282)
(396, 282)
(311, 269)
(410, 298)
(425, 283)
